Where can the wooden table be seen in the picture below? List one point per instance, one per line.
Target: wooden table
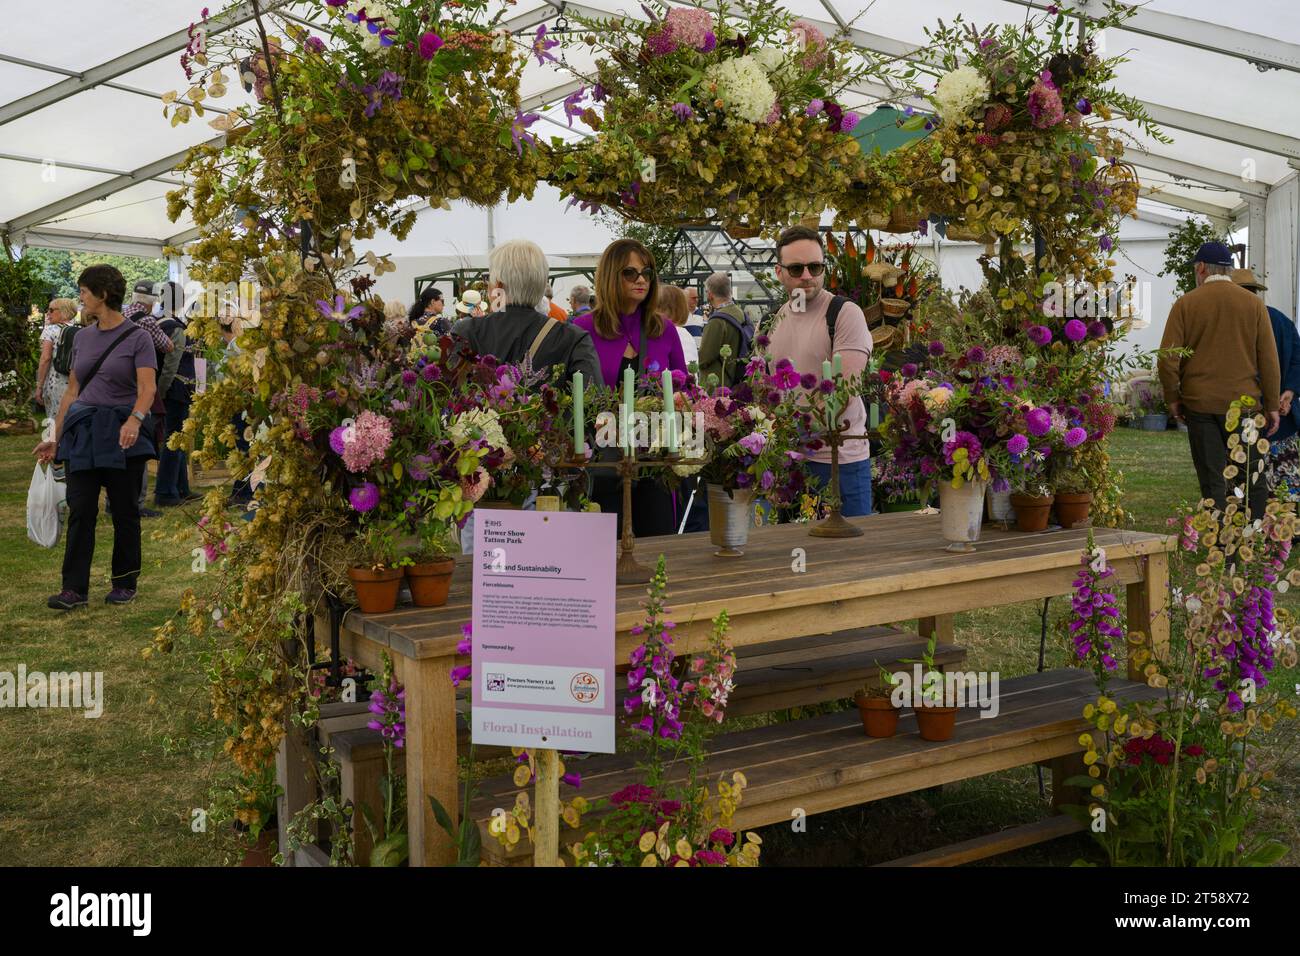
(897, 571)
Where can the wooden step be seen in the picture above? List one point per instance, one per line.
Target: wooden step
(827, 762)
(992, 844)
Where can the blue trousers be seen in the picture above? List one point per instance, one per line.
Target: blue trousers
(855, 485)
(173, 481)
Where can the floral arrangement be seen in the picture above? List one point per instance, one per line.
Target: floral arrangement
(404, 100)
(757, 434)
(1179, 780)
(704, 114)
(656, 822)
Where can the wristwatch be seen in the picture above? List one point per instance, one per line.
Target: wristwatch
(139, 415)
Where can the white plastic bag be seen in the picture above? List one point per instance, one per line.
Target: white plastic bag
(43, 499)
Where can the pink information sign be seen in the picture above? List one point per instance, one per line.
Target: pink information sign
(544, 629)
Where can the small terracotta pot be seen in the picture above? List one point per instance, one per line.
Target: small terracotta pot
(879, 715)
(376, 590)
(260, 854)
(430, 582)
(1072, 509)
(936, 723)
(1032, 511)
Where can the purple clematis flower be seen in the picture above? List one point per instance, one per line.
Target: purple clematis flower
(519, 130)
(541, 46)
(336, 312)
(571, 105)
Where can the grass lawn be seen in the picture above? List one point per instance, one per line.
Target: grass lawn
(119, 790)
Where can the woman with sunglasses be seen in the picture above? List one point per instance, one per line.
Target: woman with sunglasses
(629, 332)
(50, 382)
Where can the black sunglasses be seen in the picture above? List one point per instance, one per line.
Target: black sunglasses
(629, 274)
(796, 268)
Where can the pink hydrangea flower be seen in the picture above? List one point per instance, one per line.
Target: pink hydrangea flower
(1045, 107)
(371, 436)
(689, 26)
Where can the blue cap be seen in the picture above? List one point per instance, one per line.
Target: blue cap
(1214, 254)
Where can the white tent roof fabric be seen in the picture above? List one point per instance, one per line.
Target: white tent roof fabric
(83, 141)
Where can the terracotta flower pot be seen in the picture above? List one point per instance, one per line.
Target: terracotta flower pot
(430, 581)
(260, 854)
(1032, 511)
(936, 723)
(376, 590)
(1072, 509)
(879, 715)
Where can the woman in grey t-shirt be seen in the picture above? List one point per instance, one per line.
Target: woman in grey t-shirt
(102, 436)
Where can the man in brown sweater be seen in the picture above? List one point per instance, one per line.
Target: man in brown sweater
(1233, 355)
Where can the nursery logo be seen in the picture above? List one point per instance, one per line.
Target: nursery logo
(584, 687)
(496, 683)
(82, 691)
(103, 909)
(651, 430)
(947, 688)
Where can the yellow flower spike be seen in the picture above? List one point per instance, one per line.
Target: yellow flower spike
(647, 841)
(1088, 711)
(1121, 722)
(1094, 771)
(1108, 706)
(1085, 740)
(724, 788)
(1103, 722)
(1098, 791)
(1090, 758)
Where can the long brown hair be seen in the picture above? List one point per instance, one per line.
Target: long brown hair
(672, 303)
(609, 291)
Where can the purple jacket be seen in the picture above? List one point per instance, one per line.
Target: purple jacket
(664, 352)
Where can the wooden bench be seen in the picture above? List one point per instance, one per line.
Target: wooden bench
(824, 763)
(782, 674)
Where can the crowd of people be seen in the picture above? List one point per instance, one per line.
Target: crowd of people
(117, 384)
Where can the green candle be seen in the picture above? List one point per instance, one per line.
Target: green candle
(579, 438)
(629, 404)
(835, 365)
(670, 419)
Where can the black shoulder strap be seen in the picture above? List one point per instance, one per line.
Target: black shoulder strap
(81, 386)
(832, 315)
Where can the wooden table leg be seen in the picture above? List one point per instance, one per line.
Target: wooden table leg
(941, 623)
(430, 758)
(1148, 611)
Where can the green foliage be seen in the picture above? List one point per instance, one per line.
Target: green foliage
(1182, 245)
(59, 269)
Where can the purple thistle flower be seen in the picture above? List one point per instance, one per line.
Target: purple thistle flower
(936, 348)
(808, 381)
(1075, 330)
(1075, 437)
(1040, 334)
(814, 107)
(336, 440)
(1039, 422)
(975, 355)
(849, 121)
(1018, 444)
(909, 370)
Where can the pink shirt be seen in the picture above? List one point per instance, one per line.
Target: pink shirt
(802, 337)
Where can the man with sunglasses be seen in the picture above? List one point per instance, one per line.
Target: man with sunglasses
(812, 327)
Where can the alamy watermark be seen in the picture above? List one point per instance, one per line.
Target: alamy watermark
(935, 688)
(35, 689)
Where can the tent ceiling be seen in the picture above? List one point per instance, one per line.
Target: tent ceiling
(87, 102)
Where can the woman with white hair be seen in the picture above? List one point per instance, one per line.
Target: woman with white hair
(518, 269)
(50, 381)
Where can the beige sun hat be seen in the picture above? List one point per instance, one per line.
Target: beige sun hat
(470, 300)
(1246, 279)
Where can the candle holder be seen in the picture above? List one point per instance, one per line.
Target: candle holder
(834, 525)
(628, 570)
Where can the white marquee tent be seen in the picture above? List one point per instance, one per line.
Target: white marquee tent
(86, 157)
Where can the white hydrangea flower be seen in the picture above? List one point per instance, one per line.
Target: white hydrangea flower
(770, 58)
(478, 423)
(743, 88)
(959, 92)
